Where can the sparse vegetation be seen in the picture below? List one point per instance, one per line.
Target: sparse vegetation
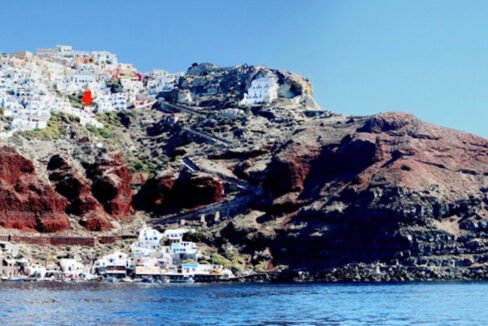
(99, 132)
(136, 165)
(54, 129)
(51, 132)
(236, 263)
(109, 120)
(75, 101)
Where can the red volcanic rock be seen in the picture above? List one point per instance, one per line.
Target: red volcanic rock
(390, 163)
(96, 222)
(288, 174)
(195, 189)
(302, 161)
(26, 201)
(76, 190)
(111, 184)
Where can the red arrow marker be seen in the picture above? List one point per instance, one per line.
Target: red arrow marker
(87, 98)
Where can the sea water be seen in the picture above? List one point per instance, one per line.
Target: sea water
(244, 304)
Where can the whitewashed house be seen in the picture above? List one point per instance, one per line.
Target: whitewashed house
(78, 83)
(116, 265)
(37, 271)
(13, 268)
(148, 243)
(150, 257)
(175, 235)
(72, 268)
(60, 51)
(65, 50)
(111, 102)
(160, 81)
(131, 88)
(263, 90)
(106, 58)
(184, 250)
(118, 101)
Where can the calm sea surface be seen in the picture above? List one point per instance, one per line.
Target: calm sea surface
(244, 304)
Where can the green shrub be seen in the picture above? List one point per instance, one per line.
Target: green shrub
(104, 132)
(136, 165)
(109, 119)
(236, 263)
(75, 101)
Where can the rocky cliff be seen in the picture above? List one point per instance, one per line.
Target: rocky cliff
(280, 187)
(71, 185)
(388, 194)
(111, 184)
(26, 201)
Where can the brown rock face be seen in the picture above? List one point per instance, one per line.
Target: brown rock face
(379, 188)
(111, 184)
(96, 221)
(27, 202)
(76, 190)
(371, 159)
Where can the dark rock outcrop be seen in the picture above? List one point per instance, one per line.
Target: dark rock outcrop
(195, 189)
(187, 190)
(111, 184)
(71, 185)
(155, 194)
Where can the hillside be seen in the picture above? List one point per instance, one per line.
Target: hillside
(282, 186)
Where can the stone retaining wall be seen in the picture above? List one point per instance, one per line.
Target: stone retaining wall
(109, 239)
(55, 240)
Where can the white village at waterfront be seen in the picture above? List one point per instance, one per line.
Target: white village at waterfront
(155, 257)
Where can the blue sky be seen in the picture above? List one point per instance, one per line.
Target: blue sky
(427, 57)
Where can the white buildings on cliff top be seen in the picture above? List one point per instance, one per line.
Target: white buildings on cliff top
(108, 102)
(67, 52)
(34, 86)
(31, 89)
(263, 90)
(159, 81)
